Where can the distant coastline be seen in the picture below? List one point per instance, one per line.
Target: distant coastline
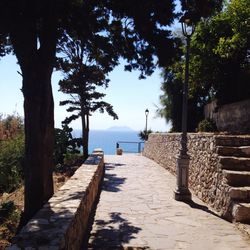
(125, 129)
(120, 128)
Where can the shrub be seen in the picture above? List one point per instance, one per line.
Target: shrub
(64, 144)
(6, 209)
(10, 126)
(11, 158)
(143, 135)
(207, 125)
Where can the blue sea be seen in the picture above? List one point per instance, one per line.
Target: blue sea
(107, 139)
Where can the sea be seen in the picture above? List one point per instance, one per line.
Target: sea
(107, 140)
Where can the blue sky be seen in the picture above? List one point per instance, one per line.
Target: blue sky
(129, 96)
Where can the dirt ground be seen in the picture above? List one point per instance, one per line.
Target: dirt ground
(8, 226)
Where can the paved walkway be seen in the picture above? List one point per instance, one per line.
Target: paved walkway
(137, 211)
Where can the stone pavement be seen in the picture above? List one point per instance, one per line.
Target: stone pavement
(137, 211)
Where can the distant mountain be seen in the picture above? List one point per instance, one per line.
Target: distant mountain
(120, 128)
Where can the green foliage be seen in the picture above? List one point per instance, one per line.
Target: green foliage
(204, 8)
(70, 163)
(11, 159)
(207, 125)
(85, 66)
(143, 135)
(219, 66)
(220, 55)
(171, 100)
(6, 209)
(71, 159)
(64, 144)
(236, 41)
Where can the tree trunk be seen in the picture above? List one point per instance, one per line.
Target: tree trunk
(36, 60)
(39, 140)
(85, 135)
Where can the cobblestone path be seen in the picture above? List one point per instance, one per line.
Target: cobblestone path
(137, 211)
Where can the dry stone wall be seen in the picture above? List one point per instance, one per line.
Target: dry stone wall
(233, 117)
(205, 174)
(62, 222)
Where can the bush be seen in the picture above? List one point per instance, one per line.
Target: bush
(6, 209)
(64, 144)
(70, 159)
(207, 125)
(11, 158)
(143, 135)
(10, 126)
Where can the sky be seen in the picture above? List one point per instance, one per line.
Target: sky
(129, 96)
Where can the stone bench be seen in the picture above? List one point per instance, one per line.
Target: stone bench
(62, 222)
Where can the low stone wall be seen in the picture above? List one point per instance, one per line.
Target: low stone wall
(205, 175)
(62, 222)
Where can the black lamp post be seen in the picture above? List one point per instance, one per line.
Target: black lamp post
(182, 192)
(146, 127)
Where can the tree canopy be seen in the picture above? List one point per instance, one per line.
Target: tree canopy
(85, 66)
(138, 31)
(221, 46)
(219, 66)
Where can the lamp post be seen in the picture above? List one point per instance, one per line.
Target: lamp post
(146, 127)
(182, 192)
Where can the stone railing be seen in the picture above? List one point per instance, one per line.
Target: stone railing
(62, 222)
(205, 175)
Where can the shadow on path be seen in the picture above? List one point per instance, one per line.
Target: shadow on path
(109, 166)
(113, 233)
(112, 182)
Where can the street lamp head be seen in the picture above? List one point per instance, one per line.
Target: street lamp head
(187, 24)
(146, 112)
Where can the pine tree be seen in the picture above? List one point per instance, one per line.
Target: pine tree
(86, 66)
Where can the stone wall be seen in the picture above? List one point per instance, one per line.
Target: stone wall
(233, 117)
(62, 222)
(205, 175)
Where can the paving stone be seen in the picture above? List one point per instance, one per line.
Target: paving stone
(137, 211)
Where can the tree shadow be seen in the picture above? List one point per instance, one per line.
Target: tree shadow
(109, 166)
(111, 182)
(113, 233)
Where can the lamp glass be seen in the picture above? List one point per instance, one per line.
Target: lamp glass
(187, 25)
